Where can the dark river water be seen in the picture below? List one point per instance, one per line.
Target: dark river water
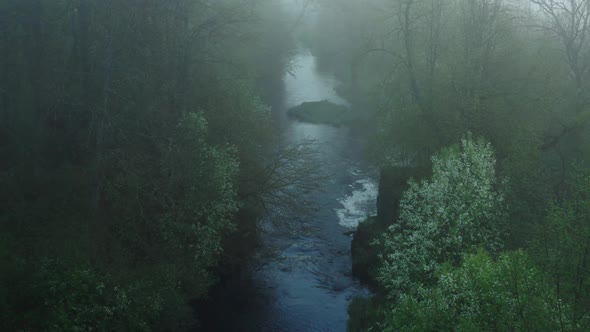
(302, 277)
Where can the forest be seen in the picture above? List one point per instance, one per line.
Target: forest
(295, 165)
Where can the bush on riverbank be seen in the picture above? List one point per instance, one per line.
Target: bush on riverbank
(436, 275)
(484, 294)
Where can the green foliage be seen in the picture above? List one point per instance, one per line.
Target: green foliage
(483, 294)
(178, 210)
(435, 283)
(529, 188)
(120, 174)
(61, 297)
(562, 246)
(83, 299)
(457, 211)
(436, 69)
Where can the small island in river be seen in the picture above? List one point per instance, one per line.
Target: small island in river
(322, 112)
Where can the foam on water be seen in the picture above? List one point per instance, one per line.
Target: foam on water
(359, 204)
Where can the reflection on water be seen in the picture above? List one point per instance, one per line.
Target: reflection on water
(307, 284)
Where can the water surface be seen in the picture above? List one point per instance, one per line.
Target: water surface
(302, 279)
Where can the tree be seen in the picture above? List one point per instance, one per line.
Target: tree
(458, 210)
(483, 294)
(118, 166)
(562, 247)
(569, 21)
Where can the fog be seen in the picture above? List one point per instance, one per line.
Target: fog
(294, 165)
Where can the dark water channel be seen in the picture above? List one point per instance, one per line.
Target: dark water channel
(302, 278)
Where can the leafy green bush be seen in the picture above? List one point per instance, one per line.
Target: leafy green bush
(483, 294)
(562, 247)
(441, 219)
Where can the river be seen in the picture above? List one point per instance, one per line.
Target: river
(306, 284)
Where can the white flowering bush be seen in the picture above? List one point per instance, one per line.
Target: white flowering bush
(458, 210)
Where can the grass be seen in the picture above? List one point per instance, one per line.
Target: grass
(322, 112)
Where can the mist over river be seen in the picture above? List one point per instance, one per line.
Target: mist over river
(305, 284)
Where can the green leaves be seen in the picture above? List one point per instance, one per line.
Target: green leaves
(562, 248)
(117, 156)
(484, 294)
(457, 211)
(436, 281)
(184, 198)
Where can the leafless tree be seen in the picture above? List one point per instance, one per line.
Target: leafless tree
(569, 20)
(290, 172)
